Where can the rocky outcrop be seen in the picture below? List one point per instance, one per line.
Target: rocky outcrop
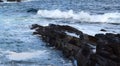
(83, 49)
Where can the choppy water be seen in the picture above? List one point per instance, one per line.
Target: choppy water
(18, 47)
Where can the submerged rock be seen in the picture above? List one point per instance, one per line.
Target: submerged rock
(32, 10)
(86, 50)
(103, 30)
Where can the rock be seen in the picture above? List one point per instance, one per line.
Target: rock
(34, 26)
(118, 35)
(83, 56)
(32, 10)
(102, 61)
(100, 36)
(107, 51)
(56, 36)
(103, 30)
(86, 50)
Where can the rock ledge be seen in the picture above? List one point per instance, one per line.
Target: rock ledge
(85, 50)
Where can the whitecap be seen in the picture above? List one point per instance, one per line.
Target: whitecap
(81, 16)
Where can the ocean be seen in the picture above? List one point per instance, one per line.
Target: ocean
(18, 47)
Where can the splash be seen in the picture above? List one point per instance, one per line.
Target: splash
(80, 16)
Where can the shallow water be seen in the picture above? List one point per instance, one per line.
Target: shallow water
(18, 47)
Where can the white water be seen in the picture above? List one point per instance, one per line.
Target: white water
(21, 47)
(21, 56)
(26, 55)
(80, 16)
(72, 34)
(18, 47)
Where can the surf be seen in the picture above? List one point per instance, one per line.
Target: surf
(81, 16)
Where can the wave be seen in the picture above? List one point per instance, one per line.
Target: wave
(20, 56)
(80, 16)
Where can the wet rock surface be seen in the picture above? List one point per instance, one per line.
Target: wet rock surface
(83, 49)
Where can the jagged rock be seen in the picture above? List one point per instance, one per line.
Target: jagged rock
(98, 50)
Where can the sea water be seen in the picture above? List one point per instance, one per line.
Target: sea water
(18, 47)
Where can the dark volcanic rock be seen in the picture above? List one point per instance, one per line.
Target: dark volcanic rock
(98, 50)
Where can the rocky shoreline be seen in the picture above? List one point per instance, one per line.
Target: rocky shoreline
(83, 49)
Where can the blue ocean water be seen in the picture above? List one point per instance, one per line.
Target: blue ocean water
(18, 47)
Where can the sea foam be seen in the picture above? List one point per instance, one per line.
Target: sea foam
(25, 55)
(80, 16)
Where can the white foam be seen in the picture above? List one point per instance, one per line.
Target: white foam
(55, 14)
(25, 55)
(80, 16)
(72, 34)
(94, 50)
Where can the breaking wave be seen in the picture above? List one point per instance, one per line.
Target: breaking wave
(80, 16)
